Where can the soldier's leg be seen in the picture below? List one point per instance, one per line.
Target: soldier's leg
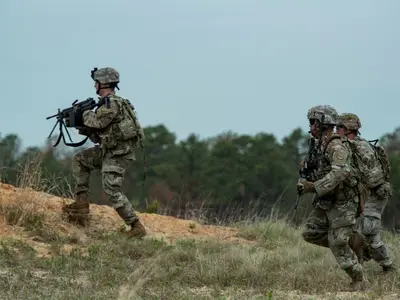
(82, 164)
(358, 242)
(113, 171)
(345, 257)
(316, 228)
(371, 228)
(342, 220)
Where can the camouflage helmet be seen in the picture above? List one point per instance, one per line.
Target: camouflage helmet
(105, 75)
(325, 114)
(350, 121)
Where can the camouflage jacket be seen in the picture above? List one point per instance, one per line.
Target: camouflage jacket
(116, 125)
(336, 177)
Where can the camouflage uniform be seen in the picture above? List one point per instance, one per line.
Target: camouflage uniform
(115, 127)
(331, 222)
(379, 188)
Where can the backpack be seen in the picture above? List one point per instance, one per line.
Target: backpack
(383, 166)
(382, 157)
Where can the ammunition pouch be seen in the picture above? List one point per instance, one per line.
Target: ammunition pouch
(342, 194)
(127, 129)
(345, 193)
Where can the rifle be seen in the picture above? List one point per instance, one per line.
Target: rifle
(71, 117)
(309, 165)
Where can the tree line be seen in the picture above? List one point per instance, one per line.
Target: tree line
(227, 177)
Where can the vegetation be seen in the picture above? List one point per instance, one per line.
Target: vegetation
(229, 177)
(278, 264)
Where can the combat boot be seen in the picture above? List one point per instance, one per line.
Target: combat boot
(389, 269)
(78, 211)
(80, 206)
(137, 230)
(358, 285)
(358, 282)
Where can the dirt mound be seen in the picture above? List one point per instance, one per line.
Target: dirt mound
(22, 209)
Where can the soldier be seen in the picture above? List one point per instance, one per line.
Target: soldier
(115, 127)
(334, 185)
(375, 176)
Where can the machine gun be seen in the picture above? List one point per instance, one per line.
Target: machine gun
(72, 117)
(306, 171)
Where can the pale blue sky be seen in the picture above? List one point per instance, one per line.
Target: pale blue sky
(203, 66)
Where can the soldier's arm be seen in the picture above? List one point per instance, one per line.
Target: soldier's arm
(102, 117)
(339, 156)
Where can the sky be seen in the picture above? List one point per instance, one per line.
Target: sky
(205, 66)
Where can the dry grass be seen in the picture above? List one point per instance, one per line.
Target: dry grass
(277, 264)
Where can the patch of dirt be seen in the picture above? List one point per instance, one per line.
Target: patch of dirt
(171, 229)
(103, 219)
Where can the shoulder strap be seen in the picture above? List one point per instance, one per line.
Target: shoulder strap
(374, 142)
(330, 139)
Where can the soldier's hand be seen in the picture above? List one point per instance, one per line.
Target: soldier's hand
(302, 164)
(94, 138)
(304, 186)
(82, 130)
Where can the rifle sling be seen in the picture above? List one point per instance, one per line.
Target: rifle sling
(74, 145)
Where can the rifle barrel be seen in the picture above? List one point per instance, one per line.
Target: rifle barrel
(53, 116)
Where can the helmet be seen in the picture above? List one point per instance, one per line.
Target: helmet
(105, 75)
(350, 121)
(325, 114)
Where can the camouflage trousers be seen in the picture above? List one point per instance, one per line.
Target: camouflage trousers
(332, 229)
(370, 226)
(113, 170)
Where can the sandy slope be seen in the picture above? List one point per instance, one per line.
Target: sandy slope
(103, 219)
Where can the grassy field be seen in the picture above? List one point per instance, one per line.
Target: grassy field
(278, 265)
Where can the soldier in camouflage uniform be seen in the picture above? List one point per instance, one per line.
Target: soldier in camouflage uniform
(334, 184)
(115, 128)
(378, 184)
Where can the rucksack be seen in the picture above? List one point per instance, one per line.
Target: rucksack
(365, 170)
(382, 157)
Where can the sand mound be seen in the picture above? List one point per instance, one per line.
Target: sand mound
(27, 203)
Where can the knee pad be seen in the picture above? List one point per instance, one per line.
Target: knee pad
(340, 236)
(370, 226)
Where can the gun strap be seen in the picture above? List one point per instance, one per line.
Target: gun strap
(61, 136)
(76, 144)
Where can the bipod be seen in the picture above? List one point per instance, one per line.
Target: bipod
(61, 125)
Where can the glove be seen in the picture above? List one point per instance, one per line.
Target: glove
(83, 130)
(302, 163)
(90, 133)
(94, 138)
(304, 186)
